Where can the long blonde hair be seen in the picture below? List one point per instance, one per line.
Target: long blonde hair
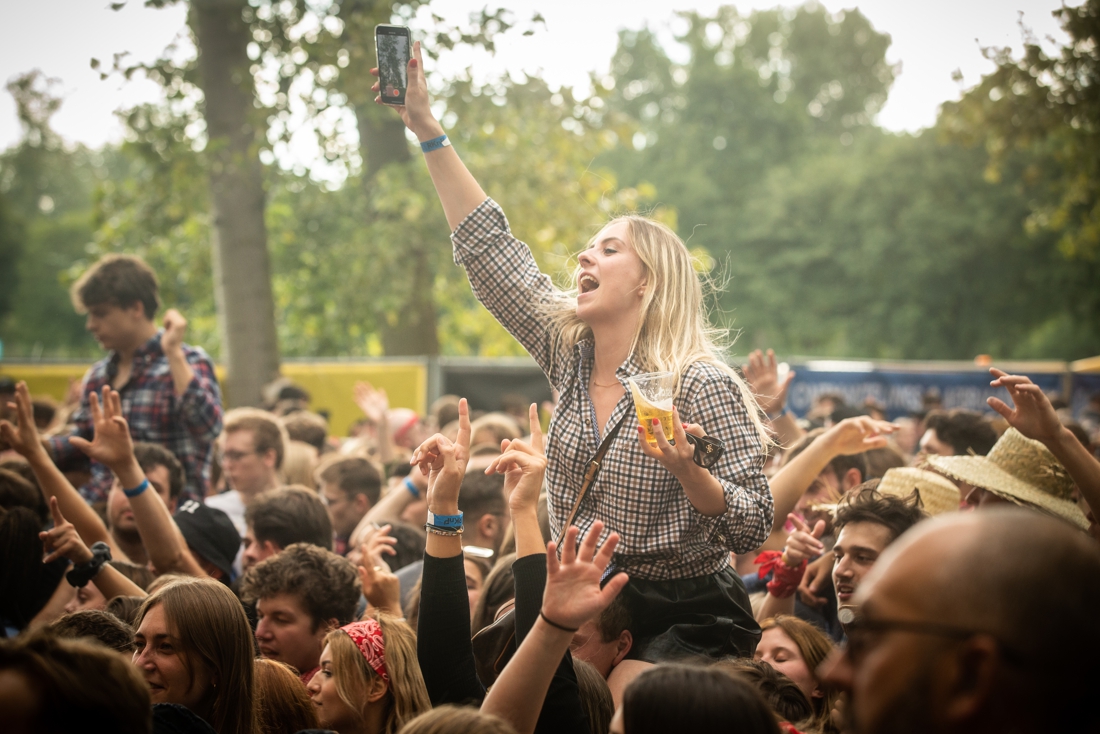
(407, 695)
(212, 627)
(673, 332)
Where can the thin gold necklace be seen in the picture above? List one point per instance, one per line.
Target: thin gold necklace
(597, 384)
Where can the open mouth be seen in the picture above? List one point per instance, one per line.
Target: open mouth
(587, 283)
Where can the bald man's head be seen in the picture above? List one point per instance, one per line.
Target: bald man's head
(1026, 585)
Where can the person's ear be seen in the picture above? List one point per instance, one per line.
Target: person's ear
(625, 642)
(327, 626)
(970, 676)
(270, 548)
(362, 503)
(852, 478)
(378, 689)
(269, 458)
(488, 525)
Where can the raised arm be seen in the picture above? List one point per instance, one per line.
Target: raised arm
(1034, 417)
(113, 447)
(572, 597)
(25, 441)
(762, 375)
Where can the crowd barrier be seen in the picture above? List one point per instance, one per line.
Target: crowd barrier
(900, 386)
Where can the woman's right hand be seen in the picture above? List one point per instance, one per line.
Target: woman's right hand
(416, 113)
(444, 463)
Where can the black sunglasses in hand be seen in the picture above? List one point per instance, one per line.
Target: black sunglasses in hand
(708, 450)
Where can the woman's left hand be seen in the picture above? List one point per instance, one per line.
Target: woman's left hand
(678, 458)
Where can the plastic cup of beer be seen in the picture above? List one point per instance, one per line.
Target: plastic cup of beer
(652, 393)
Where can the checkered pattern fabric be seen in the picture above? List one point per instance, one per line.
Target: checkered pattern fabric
(663, 535)
(186, 425)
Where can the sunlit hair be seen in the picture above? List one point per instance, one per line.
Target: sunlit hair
(449, 719)
(814, 646)
(213, 630)
(673, 331)
(406, 696)
(283, 705)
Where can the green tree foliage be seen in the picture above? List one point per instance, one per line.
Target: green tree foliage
(1048, 106)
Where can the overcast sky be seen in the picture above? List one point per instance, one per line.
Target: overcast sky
(931, 39)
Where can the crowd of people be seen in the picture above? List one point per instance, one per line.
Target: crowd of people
(172, 566)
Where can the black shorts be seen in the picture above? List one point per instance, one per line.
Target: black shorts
(701, 617)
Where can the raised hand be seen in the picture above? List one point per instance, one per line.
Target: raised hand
(523, 466)
(444, 463)
(1032, 414)
(818, 576)
(803, 543)
(416, 113)
(175, 326)
(373, 402)
(376, 543)
(856, 435)
(762, 374)
(573, 594)
(62, 541)
(381, 587)
(111, 444)
(23, 438)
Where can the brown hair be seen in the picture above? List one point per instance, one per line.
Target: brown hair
(814, 646)
(117, 280)
(307, 427)
(267, 433)
(962, 430)
(151, 455)
(78, 685)
(781, 693)
(840, 465)
(299, 463)
(15, 491)
(283, 705)
(326, 584)
(289, 515)
(406, 697)
(212, 627)
(353, 475)
(104, 627)
(595, 696)
(865, 504)
(449, 719)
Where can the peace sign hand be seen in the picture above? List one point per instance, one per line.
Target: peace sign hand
(62, 541)
(111, 444)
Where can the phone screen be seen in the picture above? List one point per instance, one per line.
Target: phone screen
(393, 63)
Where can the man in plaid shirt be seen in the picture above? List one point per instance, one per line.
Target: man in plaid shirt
(170, 395)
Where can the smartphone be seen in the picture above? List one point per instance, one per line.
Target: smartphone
(394, 46)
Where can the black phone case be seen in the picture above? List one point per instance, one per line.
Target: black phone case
(390, 90)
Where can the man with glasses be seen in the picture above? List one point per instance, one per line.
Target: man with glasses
(975, 622)
(251, 451)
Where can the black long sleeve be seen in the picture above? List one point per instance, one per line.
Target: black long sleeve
(562, 710)
(443, 645)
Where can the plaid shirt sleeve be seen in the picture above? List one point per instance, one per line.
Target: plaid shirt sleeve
(506, 280)
(200, 406)
(717, 406)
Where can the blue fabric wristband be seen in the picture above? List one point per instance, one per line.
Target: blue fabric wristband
(445, 522)
(138, 489)
(412, 488)
(435, 144)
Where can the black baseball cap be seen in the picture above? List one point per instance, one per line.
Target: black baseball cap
(210, 534)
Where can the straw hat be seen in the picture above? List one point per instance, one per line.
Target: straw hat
(937, 494)
(1022, 471)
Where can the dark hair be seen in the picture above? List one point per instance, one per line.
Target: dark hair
(326, 584)
(780, 692)
(496, 591)
(444, 410)
(15, 491)
(307, 427)
(865, 504)
(44, 409)
(125, 608)
(101, 626)
(595, 696)
(481, 494)
(882, 460)
(290, 515)
(26, 583)
(840, 465)
(78, 686)
(117, 280)
(963, 430)
(409, 547)
(151, 455)
(139, 574)
(353, 475)
(613, 620)
(676, 697)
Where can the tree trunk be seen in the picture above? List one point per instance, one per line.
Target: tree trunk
(382, 142)
(242, 270)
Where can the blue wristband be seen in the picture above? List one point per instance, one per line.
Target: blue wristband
(435, 144)
(412, 488)
(137, 490)
(445, 522)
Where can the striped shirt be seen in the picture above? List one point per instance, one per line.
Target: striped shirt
(663, 536)
(184, 424)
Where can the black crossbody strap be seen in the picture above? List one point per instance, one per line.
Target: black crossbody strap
(590, 472)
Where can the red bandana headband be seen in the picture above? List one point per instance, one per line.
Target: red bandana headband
(367, 636)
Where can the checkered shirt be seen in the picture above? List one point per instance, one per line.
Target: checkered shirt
(186, 425)
(662, 535)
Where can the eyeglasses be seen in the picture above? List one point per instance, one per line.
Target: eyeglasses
(863, 633)
(236, 455)
(708, 450)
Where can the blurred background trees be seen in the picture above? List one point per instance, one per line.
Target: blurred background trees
(828, 235)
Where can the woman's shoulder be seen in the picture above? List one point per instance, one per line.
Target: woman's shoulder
(701, 373)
